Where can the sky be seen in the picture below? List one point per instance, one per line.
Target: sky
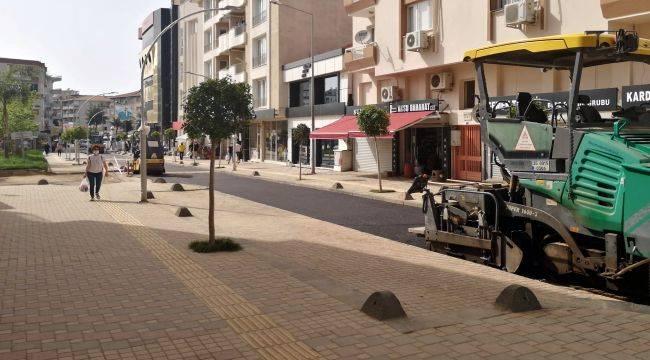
(92, 44)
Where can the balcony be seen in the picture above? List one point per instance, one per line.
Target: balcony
(237, 36)
(224, 43)
(360, 58)
(364, 8)
(236, 73)
(207, 47)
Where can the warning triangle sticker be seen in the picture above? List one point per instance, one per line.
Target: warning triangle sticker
(525, 143)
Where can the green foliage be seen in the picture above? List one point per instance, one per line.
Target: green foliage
(21, 115)
(373, 121)
(170, 133)
(300, 134)
(75, 133)
(155, 135)
(217, 108)
(127, 126)
(15, 83)
(33, 160)
(121, 136)
(220, 244)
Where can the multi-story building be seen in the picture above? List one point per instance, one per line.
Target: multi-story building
(51, 126)
(249, 41)
(75, 107)
(160, 68)
(127, 108)
(190, 53)
(408, 57)
(35, 73)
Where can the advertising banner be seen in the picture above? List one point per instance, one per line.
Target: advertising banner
(635, 95)
(601, 99)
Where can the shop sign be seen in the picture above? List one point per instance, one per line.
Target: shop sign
(601, 99)
(412, 107)
(635, 95)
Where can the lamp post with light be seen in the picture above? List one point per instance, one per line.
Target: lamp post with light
(143, 128)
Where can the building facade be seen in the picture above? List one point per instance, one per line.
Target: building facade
(127, 108)
(160, 89)
(249, 42)
(75, 107)
(410, 52)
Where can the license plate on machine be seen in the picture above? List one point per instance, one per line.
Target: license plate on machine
(541, 165)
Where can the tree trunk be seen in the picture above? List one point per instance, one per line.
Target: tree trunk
(234, 154)
(5, 128)
(300, 162)
(211, 237)
(378, 164)
(76, 150)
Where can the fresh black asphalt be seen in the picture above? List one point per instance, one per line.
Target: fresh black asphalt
(375, 217)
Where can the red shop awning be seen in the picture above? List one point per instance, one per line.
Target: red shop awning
(346, 126)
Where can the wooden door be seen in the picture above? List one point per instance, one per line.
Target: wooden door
(467, 157)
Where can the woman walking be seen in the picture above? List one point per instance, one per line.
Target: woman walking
(95, 168)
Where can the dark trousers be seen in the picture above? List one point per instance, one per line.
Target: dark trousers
(180, 155)
(95, 181)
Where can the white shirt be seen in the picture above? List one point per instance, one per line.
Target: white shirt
(237, 147)
(95, 163)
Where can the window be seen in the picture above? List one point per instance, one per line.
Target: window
(326, 91)
(207, 4)
(259, 11)
(496, 5)
(468, 94)
(259, 51)
(259, 93)
(207, 40)
(419, 16)
(331, 90)
(207, 68)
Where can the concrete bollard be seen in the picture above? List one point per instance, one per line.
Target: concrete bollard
(383, 305)
(177, 187)
(150, 195)
(517, 298)
(183, 212)
(42, 182)
(160, 181)
(337, 186)
(256, 173)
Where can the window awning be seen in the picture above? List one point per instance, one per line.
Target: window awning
(177, 125)
(346, 126)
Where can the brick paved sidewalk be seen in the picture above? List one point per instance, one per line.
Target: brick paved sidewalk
(114, 279)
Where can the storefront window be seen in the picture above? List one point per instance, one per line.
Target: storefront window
(275, 140)
(331, 90)
(325, 152)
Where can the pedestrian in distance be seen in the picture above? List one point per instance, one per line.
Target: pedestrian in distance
(181, 150)
(238, 151)
(59, 148)
(95, 169)
(229, 155)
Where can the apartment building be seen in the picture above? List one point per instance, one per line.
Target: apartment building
(407, 56)
(75, 108)
(249, 41)
(34, 73)
(190, 54)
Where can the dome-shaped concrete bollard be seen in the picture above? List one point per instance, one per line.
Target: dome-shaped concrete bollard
(177, 187)
(42, 182)
(517, 298)
(160, 181)
(383, 305)
(150, 195)
(337, 186)
(183, 212)
(256, 173)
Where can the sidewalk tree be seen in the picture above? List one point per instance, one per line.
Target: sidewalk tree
(95, 115)
(217, 108)
(13, 87)
(170, 135)
(74, 135)
(374, 122)
(300, 135)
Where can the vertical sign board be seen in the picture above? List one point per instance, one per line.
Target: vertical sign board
(635, 95)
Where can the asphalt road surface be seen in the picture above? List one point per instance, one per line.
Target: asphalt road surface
(375, 217)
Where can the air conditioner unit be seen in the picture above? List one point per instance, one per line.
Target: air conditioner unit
(519, 12)
(416, 41)
(366, 36)
(389, 93)
(441, 81)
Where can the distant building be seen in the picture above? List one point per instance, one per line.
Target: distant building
(75, 108)
(127, 108)
(39, 82)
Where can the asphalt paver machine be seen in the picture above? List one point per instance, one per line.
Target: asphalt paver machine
(577, 198)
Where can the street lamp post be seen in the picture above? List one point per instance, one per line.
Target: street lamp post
(143, 136)
(312, 142)
(76, 119)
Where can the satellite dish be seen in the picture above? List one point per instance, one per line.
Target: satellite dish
(365, 36)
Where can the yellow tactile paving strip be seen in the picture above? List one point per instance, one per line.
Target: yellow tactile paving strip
(258, 330)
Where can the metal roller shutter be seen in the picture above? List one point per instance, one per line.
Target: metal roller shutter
(365, 158)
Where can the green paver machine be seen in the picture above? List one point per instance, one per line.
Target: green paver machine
(578, 193)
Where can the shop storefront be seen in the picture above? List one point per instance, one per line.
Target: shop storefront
(275, 140)
(266, 137)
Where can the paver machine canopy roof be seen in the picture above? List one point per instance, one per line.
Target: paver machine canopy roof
(576, 199)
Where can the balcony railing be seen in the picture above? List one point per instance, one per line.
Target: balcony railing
(360, 57)
(223, 43)
(356, 6)
(240, 29)
(237, 36)
(259, 17)
(259, 60)
(207, 47)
